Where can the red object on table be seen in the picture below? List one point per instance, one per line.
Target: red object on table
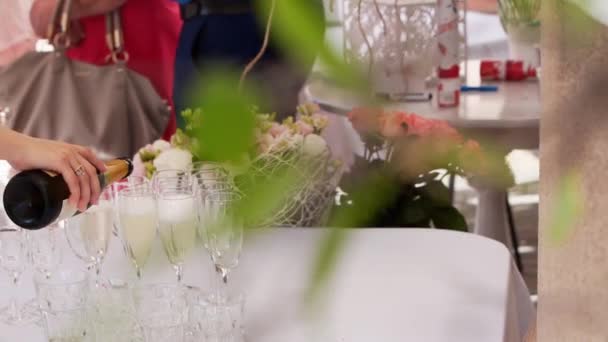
(448, 88)
(151, 32)
(506, 71)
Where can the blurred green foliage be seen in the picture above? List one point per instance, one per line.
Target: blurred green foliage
(225, 131)
(576, 21)
(567, 209)
(519, 11)
(298, 28)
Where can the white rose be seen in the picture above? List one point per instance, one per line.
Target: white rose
(314, 145)
(161, 145)
(173, 159)
(296, 141)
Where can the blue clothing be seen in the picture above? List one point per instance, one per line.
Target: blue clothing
(233, 39)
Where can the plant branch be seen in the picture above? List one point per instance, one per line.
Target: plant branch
(260, 54)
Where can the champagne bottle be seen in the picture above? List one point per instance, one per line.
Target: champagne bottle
(35, 199)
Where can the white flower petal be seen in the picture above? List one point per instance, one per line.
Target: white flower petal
(173, 159)
(161, 145)
(314, 145)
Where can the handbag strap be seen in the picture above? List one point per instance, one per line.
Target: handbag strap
(115, 38)
(59, 26)
(57, 32)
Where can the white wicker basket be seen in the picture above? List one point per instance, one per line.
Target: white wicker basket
(394, 41)
(310, 196)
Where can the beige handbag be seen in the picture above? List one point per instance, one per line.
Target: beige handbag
(109, 108)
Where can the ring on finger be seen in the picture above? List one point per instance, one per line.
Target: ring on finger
(79, 171)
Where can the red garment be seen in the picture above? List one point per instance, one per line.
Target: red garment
(151, 32)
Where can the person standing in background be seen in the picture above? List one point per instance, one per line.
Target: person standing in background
(227, 32)
(151, 29)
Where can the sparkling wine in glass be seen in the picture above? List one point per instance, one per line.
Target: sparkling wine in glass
(137, 221)
(131, 181)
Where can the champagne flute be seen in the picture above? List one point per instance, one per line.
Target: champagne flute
(167, 178)
(89, 233)
(13, 256)
(207, 174)
(44, 252)
(115, 189)
(137, 221)
(203, 189)
(224, 234)
(177, 222)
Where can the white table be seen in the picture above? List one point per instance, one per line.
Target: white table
(390, 285)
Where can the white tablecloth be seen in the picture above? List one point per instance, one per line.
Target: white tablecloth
(390, 285)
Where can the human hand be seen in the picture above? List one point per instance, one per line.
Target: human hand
(32, 153)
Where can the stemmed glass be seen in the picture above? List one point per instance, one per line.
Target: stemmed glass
(137, 221)
(202, 191)
(208, 174)
(44, 252)
(89, 233)
(177, 221)
(224, 233)
(168, 178)
(115, 189)
(13, 257)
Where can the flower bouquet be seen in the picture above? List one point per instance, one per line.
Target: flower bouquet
(294, 146)
(413, 155)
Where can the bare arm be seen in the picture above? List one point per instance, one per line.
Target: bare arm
(484, 6)
(42, 10)
(24, 153)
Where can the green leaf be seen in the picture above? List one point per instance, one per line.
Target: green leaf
(225, 132)
(412, 213)
(438, 193)
(371, 195)
(264, 196)
(449, 218)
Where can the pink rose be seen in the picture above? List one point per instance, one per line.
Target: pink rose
(394, 125)
(472, 146)
(417, 125)
(277, 129)
(139, 169)
(443, 129)
(265, 142)
(303, 128)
